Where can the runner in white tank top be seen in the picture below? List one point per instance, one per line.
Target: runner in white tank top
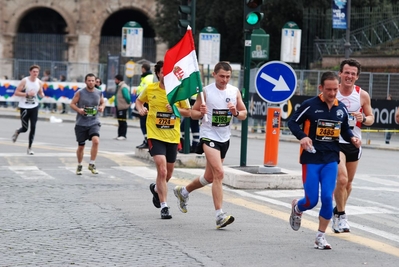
(28, 90)
(359, 106)
(220, 103)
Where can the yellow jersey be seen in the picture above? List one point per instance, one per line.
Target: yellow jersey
(161, 124)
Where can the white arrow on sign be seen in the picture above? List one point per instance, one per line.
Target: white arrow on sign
(279, 85)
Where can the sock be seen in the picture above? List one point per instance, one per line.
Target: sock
(218, 212)
(155, 188)
(335, 211)
(79, 163)
(163, 205)
(92, 161)
(341, 213)
(184, 192)
(297, 210)
(319, 233)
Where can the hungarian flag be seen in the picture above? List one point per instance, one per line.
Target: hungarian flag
(181, 73)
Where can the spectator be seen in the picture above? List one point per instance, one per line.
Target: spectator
(63, 79)
(388, 135)
(47, 78)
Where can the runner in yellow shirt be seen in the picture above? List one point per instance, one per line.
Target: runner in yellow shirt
(163, 133)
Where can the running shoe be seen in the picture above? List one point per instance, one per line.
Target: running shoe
(223, 220)
(15, 136)
(321, 242)
(340, 224)
(181, 200)
(165, 214)
(93, 169)
(335, 224)
(144, 145)
(155, 198)
(30, 152)
(120, 138)
(79, 170)
(295, 218)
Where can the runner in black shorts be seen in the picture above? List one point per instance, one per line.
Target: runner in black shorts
(221, 146)
(351, 152)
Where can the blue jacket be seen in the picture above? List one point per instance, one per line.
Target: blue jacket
(315, 120)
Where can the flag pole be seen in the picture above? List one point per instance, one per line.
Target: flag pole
(203, 101)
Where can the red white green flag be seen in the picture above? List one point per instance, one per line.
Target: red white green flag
(181, 73)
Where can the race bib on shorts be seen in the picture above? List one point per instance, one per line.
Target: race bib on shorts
(328, 130)
(221, 117)
(165, 120)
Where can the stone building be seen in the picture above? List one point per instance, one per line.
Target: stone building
(82, 25)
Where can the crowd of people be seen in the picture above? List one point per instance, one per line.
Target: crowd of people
(328, 127)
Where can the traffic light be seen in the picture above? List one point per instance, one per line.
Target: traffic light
(187, 15)
(252, 14)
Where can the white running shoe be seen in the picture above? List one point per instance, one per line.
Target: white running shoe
(120, 138)
(30, 152)
(181, 200)
(295, 218)
(321, 242)
(340, 224)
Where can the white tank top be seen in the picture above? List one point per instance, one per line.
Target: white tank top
(31, 101)
(217, 128)
(353, 104)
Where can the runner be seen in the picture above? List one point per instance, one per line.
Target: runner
(358, 104)
(28, 89)
(88, 103)
(223, 102)
(163, 132)
(318, 123)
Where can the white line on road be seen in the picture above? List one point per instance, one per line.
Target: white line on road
(30, 172)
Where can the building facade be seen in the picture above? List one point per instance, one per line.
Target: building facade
(81, 22)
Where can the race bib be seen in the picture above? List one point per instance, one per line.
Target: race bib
(221, 117)
(165, 120)
(90, 111)
(328, 130)
(30, 100)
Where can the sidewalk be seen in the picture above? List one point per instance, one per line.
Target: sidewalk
(371, 140)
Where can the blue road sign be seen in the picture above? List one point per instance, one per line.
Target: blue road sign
(275, 82)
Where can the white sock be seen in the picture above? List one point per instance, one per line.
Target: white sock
(163, 205)
(218, 212)
(92, 162)
(184, 192)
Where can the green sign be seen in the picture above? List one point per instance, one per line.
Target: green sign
(259, 45)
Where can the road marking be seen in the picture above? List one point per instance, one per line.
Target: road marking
(30, 172)
(40, 155)
(143, 172)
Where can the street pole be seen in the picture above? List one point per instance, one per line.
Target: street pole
(245, 95)
(348, 29)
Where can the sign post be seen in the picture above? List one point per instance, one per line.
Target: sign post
(290, 43)
(209, 47)
(132, 40)
(275, 83)
(129, 72)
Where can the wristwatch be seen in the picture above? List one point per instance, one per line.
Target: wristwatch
(364, 118)
(238, 113)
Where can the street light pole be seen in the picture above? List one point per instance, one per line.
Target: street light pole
(348, 29)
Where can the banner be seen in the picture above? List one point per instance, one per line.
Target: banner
(383, 110)
(339, 12)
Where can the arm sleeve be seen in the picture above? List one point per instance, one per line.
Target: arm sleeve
(297, 119)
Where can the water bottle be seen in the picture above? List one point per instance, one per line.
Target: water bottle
(311, 149)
